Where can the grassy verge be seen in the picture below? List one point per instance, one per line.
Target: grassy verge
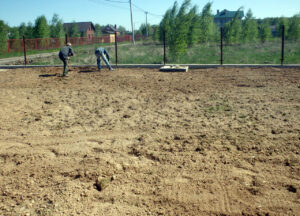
(148, 52)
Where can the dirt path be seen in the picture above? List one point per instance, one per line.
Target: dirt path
(20, 60)
(142, 142)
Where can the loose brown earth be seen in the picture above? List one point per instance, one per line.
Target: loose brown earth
(141, 142)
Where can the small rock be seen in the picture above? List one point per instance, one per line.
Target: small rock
(291, 188)
(101, 183)
(113, 178)
(176, 138)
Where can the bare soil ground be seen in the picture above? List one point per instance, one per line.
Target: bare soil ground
(142, 142)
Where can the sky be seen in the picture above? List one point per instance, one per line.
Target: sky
(103, 12)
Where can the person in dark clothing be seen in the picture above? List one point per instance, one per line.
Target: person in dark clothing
(102, 53)
(64, 55)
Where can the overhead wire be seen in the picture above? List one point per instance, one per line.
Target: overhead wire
(105, 2)
(112, 3)
(145, 10)
(116, 1)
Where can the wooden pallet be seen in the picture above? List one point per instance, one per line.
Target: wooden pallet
(174, 68)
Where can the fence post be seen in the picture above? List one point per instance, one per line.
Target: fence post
(8, 46)
(66, 39)
(24, 49)
(47, 43)
(165, 55)
(221, 45)
(116, 45)
(282, 44)
(35, 44)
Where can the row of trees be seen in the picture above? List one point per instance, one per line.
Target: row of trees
(44, 29)
(185, 26)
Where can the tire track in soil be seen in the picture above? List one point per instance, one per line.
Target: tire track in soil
(224, 202)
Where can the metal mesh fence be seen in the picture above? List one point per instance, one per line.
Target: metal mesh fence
(147, 51)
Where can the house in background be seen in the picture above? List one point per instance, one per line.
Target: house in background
(225, 16)
(86, 29)
(109, 31)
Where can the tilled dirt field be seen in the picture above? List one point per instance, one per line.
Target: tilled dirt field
(142, 142)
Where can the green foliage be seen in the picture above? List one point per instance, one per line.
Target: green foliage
(73, 31)
(22, 30)
(145, 29)
(250, 28)
(264, 33)
(207, 29)
(233, 30)
(3, 36)
(195, 27)
(185, 27)
(122, 30)
(56, 27)
(176, 25)
(14, 33)
(29, 33)
(282, 21)
(98, 31)
(155, 35)
(41, 28)
(178, 43)
(294, 29)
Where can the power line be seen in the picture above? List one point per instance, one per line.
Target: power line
(117, 1)
(146, 11)
(112, 3)
(105, 2)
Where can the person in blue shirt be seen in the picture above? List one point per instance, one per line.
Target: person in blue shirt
(102, 53)
(64, 55)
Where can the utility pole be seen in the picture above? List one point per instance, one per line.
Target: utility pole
(146, 24)
(131, 23)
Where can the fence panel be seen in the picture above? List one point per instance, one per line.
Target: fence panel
(148, 51)
(255, 52)
(292, 51)
(145, 50)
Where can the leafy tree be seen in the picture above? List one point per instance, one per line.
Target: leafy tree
(56, 27)
(14, 33)
(73, 31)
(194, 29)
(167, 23)
(3, 36)
(41, 28)
(294, 29)
(250, 28)
(155, 35)
(233, 29)
(22, 30)
(264, 32)
(176, 25)
(178, 43)
(98, 31)
(282, 21)
(144, 29)
(29, 33)
(122, 30)
(207, 29)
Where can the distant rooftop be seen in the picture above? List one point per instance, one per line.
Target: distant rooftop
(228, 14)
(109, 29)
(82, 26)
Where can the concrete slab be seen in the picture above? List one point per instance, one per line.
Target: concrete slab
(174, 68)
